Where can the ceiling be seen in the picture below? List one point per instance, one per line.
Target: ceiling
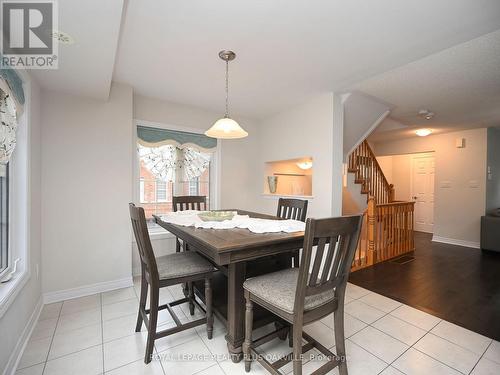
(85, 67)
(461, 85)
(287, 50)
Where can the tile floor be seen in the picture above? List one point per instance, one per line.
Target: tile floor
(95, 335)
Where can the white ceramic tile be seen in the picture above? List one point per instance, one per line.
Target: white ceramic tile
(493, 352)
(413, 362)
(380, 302)
(486, 367)
(120, 327)
(124, 351)
(35, 352)
(217, 345)
(119, 309)
(355, 292)
(118, 295)
(469, 340)
(214, 370)
(33, 370)
(450, 354)
(176, 339)
(322, 333)
(380, 344)
(391, 371)
(416, 317)
(85, 362)
(78, 339)
(351, 324)
(44, 328)
(363, 312)
(81, 304)
(231, 368)
(361, 362)
(79, 319)
(399, 329)
(50, 311)
(138, 368)
(187, 359)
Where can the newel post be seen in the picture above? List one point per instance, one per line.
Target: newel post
(371, 219)
(392, 193)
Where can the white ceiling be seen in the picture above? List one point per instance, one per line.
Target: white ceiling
(460, 84)
(287, 50)
(86, 67)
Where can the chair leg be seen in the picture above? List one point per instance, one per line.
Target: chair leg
(208, 305)
(191, 298)
(142, 302)
(338, 318)
(247, 354)
(177, 245)
(153, 319)
(290, 337)
(297, 349)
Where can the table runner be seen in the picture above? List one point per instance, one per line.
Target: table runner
(190, 218)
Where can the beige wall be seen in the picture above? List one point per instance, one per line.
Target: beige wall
(458, 208)
(86, 187)
(303, 131)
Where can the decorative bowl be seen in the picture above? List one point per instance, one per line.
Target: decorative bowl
(216, 215)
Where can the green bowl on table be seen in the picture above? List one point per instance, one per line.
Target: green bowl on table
(216, 215)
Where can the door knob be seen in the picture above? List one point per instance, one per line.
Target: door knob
(415, 198)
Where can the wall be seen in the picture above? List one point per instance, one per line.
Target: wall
(457, 209)
(493, 181)
(14, 323)
(86, 187)
(305, 130)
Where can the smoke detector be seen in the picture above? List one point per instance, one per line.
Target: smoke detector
(426, 114)
(63, 38)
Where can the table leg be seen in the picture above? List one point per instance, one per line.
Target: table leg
(235, 310)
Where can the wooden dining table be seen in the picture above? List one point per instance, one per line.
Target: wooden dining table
(237, 254)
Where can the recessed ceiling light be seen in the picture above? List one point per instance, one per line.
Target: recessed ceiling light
(305, 165)
(63, 37)
(423, 132)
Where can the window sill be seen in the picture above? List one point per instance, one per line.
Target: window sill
(158, 234)
(10, 290)
(276, 196)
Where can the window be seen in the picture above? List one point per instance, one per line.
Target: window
(4, 217)
(161, 191)
(172, 163)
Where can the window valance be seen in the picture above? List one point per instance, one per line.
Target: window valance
(15, 84)
(8, 126)
(155, 137)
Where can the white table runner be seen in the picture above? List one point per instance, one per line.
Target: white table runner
(190, 218)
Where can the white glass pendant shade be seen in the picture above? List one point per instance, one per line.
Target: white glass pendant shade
(226, 128)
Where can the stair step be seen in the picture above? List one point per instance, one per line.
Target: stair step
(352, 170)
(359, 181)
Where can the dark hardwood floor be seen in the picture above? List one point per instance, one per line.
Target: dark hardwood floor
(455, 283)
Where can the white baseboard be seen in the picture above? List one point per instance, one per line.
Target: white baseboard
(453, 241)
(86, 290)
(18, 351)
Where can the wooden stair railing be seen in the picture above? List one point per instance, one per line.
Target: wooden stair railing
(387, 232)
(364, 165)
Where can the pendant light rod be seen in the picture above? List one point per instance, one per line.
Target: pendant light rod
(227, 56)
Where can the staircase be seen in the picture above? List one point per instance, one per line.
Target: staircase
(387, 230)
(364, 165)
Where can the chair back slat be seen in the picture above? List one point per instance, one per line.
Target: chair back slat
(295, 209)
(328, 267)
(140, 228)
(189, 202)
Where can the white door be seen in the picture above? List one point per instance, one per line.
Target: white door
(423, 192)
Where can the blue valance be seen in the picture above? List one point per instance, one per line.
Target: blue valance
(155, 137)
(15, 83)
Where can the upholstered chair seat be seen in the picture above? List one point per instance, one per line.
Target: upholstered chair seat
(182, 264)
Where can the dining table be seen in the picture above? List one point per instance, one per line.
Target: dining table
(237, 254)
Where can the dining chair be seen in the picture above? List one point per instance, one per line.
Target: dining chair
(164, 271)
(303, 295)
(187, 202)
(295, 209)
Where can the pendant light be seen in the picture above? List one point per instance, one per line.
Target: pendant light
(226, 127)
